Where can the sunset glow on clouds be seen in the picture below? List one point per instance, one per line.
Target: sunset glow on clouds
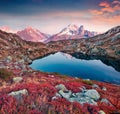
(51, 16)
(107, 14)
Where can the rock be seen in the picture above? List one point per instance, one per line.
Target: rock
(94, 51)
(101, 112)
(24, 92)
(8, 59)
(61, 87)
(98, 51)
(117, 52)
(94, 86)
(93, 94)
(116, 37)
(17, 79)
(66, 94)
(104, 100)
(99, 43)
(18, 94)
(29, 61)
(21, 61)
(58, 95)
(104, 89)
(83, 89)
(83, 100)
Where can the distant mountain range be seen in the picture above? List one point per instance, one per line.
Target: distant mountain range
(72, 31)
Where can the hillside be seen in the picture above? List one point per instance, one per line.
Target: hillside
(24, 90)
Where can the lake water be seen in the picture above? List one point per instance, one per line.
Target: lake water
(87, 69)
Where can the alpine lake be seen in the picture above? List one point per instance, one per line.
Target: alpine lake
(82, 67)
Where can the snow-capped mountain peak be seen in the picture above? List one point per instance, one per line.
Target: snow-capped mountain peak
(32, 34)
(71, 29)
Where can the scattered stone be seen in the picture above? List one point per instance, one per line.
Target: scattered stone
(92, 94)
(98, 51)
(18, 94)
(104, 89)
(104, 100)
(101, 112)
(17, 79)
(94, 86)
(65, 94)
(83, 100)
(86, 96)
(116, 37)
(24, 92)
(21, 61)
(94, 51)
(8, 59)
(83, 89)
(61, 87)
(58, 95)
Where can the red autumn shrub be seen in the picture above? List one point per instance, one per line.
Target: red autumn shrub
(73, 86)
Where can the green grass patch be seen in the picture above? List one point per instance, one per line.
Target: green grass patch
(88, 82)
(5, 74)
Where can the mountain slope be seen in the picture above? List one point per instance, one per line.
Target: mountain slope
(30, 34)
(106, 44)
(12, 45)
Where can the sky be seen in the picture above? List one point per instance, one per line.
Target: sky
(50, 16)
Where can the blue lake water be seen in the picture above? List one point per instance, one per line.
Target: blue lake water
(68, 65)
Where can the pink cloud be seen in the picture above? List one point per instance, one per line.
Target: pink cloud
(104, 4)
(108, 14)
(109, 9)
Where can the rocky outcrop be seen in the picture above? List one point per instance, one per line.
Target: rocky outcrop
(18, 94)
(86, 96)
(93, 94)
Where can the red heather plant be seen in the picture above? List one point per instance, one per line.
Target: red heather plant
(108, 109)
(61, 105)
(90, 109)
(73, 86)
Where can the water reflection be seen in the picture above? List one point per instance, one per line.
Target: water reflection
(84, 67)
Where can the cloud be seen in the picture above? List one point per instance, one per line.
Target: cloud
(107, 15)
(107, 8)
(104, 4)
